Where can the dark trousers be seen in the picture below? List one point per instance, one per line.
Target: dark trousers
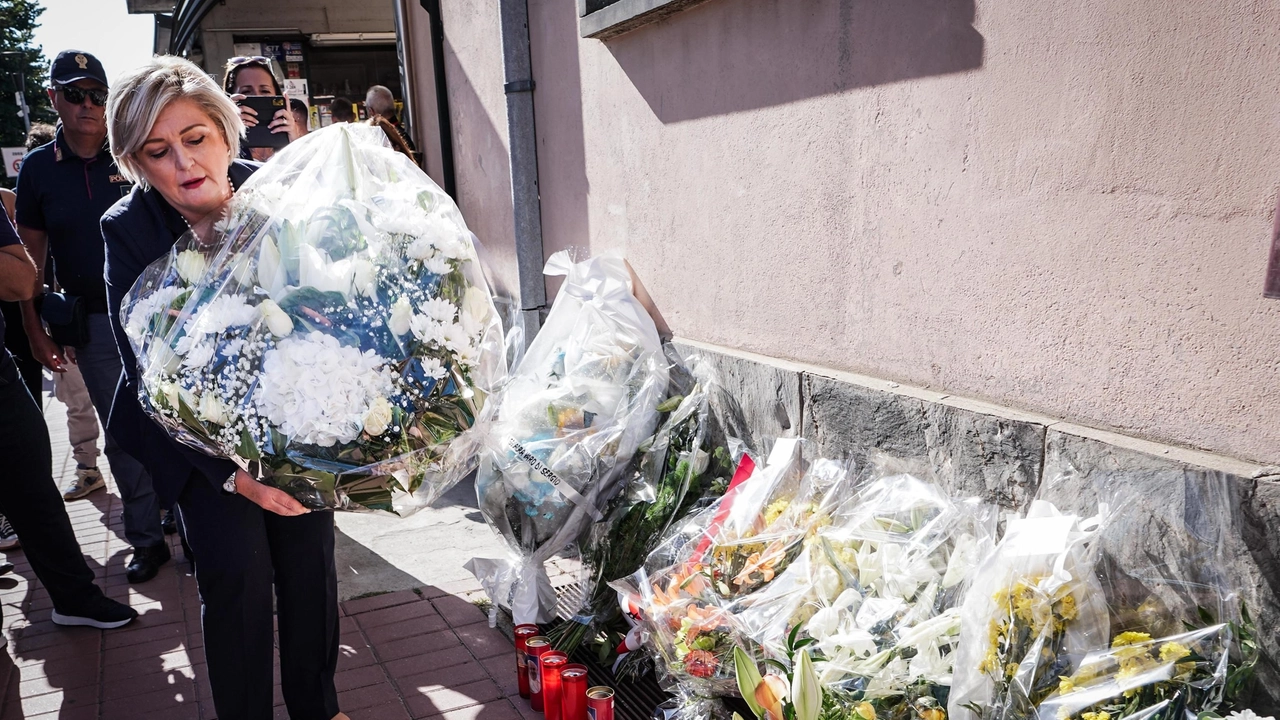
(31, 501)
(242, 551)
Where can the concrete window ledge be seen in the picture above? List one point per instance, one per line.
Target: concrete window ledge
(626, 15)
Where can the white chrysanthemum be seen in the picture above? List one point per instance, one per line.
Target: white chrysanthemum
(437, 265)
(432, 367)
(427, 330)
(451, 246)
(439, 309)
(1247, 715)
(224, 311)
(199, 354)
(318, 391)
(420, 249)
(455, 338)
(410, 223)
(146, 309)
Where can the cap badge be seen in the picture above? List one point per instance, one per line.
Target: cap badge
(82, 61)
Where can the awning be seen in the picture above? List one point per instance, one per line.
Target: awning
(186, 22)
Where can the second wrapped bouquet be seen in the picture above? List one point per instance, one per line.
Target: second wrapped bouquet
(333, 333)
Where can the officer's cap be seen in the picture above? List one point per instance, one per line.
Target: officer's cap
(73, 65)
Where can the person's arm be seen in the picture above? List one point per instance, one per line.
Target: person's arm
(10, 203)
(17, 273)
(49, 353)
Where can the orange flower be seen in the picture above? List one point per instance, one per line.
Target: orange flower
(701, 664)
(771, 693)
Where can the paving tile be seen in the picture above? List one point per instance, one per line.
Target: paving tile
(442, 700)
(386, 711)
(484, 641)
(359, 677)
(398, 613)
(493, 710)
(415, 664)
(412, 627)
(431, 679)
(458, 612)
(502, 668)
(377, 602)
(419, 645)
(380, 694)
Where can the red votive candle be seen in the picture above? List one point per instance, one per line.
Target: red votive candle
(523, 633)
(600, 703)
(535, 647)
(573, 692)
(552, 663)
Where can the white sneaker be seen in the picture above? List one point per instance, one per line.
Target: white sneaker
(8, 538)
(87, 480)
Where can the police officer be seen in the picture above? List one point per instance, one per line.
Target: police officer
(64, 187)
(27, 493)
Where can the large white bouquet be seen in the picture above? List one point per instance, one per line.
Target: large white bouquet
(582, 399)
(333, 334)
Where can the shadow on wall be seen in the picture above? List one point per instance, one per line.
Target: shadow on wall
(733, 55)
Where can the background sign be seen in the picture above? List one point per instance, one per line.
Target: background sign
(12, 159)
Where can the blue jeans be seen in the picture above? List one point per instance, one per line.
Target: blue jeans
(99, 363)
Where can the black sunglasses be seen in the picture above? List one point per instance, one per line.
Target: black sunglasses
(75, 95)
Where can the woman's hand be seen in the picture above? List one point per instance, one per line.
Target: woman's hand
(284, 121)
(248, 115)
(266, 497)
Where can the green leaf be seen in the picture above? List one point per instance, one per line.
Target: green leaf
(748, 679)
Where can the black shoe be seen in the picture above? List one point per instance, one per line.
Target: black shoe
(6, 567)
(169, 523)
(146, 562)
(102, 612)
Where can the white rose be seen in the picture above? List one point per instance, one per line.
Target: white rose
(212, 410)
(401, 316)
(170, 392)
(365, 276)
(191, 266)
(475, 311)
(278, 321)
(378, 418)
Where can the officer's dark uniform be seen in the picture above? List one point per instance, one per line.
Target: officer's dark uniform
(241, 549)
(29, 497)
(64, 196)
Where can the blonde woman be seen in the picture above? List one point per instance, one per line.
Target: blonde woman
(175, 133)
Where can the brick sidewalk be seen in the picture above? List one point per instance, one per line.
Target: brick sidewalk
(420, 653)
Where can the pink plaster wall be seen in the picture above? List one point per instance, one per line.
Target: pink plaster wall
(1058, 206)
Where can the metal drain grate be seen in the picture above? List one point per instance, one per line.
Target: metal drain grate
(632, 699)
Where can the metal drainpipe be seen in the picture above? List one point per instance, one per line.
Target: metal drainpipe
(518, 76)
(442, 96)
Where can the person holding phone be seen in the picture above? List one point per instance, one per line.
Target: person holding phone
(254, 76)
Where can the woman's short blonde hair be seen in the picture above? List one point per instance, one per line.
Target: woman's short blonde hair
(137, 98)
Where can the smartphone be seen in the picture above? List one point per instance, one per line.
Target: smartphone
(260, 136)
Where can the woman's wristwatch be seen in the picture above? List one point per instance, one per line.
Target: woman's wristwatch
(229, 485)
